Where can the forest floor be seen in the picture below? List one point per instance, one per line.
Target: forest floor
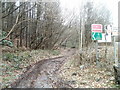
(52, 69)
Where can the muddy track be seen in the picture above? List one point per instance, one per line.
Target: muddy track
(43, 74)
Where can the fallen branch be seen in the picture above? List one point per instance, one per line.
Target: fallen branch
(14, 28)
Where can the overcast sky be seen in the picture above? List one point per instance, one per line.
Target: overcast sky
(112, 5)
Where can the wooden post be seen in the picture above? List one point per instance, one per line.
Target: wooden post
(117, 67)
(97, 54)
(116, 60)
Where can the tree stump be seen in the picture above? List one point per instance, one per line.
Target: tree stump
(117, 74)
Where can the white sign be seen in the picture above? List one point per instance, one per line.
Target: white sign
(115, 31)
(105, 38)
(109, 29)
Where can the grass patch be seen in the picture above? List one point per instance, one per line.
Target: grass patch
(54, 52)
(116, 86)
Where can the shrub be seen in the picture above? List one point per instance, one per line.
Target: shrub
(5, 42)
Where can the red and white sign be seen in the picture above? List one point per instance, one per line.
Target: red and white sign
(96, 28)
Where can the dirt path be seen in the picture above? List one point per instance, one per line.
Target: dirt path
(43, 74)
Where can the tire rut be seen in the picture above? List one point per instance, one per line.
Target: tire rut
(42, 74)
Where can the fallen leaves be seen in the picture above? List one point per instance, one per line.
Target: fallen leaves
(88, 77)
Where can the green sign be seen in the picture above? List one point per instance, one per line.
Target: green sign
(96, 36)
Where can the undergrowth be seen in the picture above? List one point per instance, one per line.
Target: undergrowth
(14, 64)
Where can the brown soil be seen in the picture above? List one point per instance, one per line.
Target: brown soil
(43, 74)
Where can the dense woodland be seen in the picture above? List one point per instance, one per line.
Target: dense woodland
(40, 25)
(43, 40)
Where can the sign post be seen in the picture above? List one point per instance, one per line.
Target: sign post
(117, 67)
(97, 54)
(96, 35)
(115, 36)
(116, 60)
